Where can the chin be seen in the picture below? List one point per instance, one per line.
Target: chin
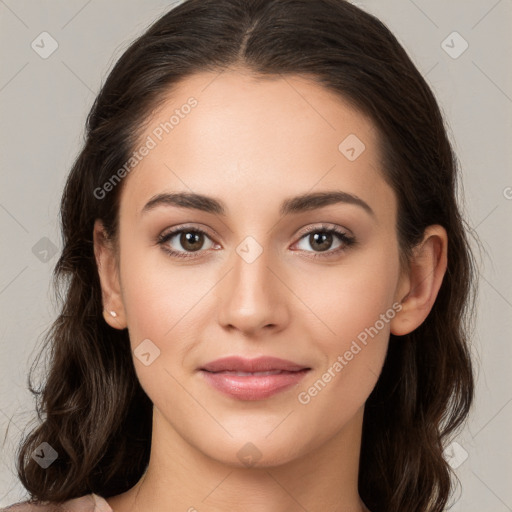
(253, 452)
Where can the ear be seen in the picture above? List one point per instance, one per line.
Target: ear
(106, 261)
(420, 284)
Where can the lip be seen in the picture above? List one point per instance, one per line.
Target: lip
(221, 375)
(258, 364)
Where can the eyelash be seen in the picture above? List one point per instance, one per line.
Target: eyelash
(346, 240)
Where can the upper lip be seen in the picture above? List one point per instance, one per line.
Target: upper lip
(259, 364)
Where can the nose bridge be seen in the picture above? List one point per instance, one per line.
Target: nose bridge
(251, 275)
(250, 297)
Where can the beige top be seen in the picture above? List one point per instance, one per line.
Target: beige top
(88, 503)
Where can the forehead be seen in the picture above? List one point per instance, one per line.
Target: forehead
(227, 132)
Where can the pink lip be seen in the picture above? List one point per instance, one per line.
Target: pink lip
(221, 375)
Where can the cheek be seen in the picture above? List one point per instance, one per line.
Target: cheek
(356, 303)
(352, 297)
(159, 297)
(160, 301)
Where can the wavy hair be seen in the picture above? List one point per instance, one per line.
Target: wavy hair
(91, 407)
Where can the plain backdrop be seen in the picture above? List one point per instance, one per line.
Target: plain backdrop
(463, 48)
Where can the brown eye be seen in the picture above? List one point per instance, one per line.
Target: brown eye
(191, 240)
(181, 242)
(321, 241)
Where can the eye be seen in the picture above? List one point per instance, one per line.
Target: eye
(321, 239)
(190, 240)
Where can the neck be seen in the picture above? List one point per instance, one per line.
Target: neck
(181, 477)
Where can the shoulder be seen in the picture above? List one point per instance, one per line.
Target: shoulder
(87, 503)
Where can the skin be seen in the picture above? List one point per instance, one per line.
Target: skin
(253, 143)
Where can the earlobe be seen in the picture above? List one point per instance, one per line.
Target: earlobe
(106, 262)
(419, 287)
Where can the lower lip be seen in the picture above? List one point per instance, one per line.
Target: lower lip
(253, 387)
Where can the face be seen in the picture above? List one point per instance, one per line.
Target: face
(251, 271)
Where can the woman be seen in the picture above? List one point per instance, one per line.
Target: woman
(267, 275)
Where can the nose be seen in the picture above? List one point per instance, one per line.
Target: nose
(253, 297)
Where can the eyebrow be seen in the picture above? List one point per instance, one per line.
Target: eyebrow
(293, 205)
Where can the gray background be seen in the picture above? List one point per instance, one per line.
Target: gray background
(44, 103)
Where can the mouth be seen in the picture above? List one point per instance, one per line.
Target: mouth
(245, 374)
(257, 365)
(252, 379)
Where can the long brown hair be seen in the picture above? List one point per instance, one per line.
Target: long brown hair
(92, 408)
